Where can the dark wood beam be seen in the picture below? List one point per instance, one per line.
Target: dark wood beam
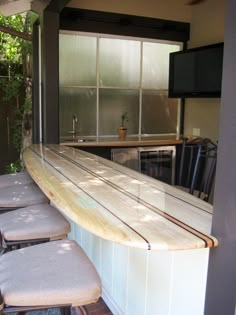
(50, 70)
(57, 5)
(35, 86)
(13, 32)
(123, 24)
(50, 77)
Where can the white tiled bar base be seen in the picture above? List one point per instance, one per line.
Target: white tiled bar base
(149, 241)
(142, 282)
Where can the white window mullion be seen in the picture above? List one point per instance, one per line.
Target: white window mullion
(140, 90)
(97, 88)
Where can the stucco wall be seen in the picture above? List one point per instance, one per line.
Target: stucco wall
(207, 27)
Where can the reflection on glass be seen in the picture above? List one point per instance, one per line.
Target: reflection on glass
(119, 63)
(77, 60)
(112, 104)
(159, 114)
(82, 104)
(117, 67)
(156, 64)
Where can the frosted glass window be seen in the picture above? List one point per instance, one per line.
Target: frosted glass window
(119, 63)
(102, 77)
(77, 60)
(82, 104)
(156, 64)
(111, 105)
(159, 114)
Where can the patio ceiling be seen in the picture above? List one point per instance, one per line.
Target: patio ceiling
(12, 7)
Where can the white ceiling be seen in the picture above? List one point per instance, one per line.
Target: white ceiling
(11, 7)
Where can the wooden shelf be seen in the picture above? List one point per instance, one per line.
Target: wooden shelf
(115, 142)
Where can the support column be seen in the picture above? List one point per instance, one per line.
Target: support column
(221, 285)
(35, 87)
(50, 77)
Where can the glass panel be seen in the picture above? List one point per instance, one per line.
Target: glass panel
(77, 60)
(112, 104)
(119, 63)
(156, 64)
(82, 104)
(159, 114)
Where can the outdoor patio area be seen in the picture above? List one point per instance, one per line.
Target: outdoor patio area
(117, 163)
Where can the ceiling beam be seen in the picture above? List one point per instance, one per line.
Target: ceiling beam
(14, 32)
(57, 5)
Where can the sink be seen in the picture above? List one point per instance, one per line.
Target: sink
(85, 140)
(77, 140)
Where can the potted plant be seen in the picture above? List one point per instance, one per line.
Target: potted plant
(122, 130)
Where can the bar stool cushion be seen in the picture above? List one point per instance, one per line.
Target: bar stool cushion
(18, 196)
(34, 222)
(52, 273)
(20, 178)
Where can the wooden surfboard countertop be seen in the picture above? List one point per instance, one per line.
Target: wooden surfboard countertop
(117, 203)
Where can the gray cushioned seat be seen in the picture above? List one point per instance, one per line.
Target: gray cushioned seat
(34, 222)
(20, 178)
(52, 273)
(18, 196)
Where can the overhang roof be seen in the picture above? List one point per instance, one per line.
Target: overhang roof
(12, 7)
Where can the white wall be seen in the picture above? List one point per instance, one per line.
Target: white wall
(207, 23)
(207, 27)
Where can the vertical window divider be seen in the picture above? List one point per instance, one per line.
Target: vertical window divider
(97, 87)
(140, 90)
(135, 86)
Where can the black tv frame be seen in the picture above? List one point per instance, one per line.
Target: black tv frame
(194, 93)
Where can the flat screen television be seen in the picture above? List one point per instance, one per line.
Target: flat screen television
(196, 72)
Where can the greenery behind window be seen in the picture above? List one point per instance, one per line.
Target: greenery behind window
(102, 77)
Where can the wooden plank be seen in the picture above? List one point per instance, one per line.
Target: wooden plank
(119, 204)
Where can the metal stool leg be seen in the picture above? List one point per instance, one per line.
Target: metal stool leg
(66, 310)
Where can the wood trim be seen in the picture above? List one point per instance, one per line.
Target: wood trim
(115, 142)
(35, 85)
(123, 24)
(57, 5)
(16, 33)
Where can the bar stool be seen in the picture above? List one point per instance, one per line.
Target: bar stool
(54, 274)
(20, 178)
(197, 167)
(19, 196)
(32, 225)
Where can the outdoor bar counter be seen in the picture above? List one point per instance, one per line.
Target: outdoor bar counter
(148, 240)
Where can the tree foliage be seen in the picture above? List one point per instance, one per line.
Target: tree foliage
(13, 52)
(11, 46)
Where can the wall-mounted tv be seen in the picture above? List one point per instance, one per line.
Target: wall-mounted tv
(196, 72)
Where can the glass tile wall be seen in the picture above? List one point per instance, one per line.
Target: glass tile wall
(102, 77)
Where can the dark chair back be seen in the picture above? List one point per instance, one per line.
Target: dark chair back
(197, 166)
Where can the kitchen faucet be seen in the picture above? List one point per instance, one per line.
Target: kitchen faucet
(74, 121)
